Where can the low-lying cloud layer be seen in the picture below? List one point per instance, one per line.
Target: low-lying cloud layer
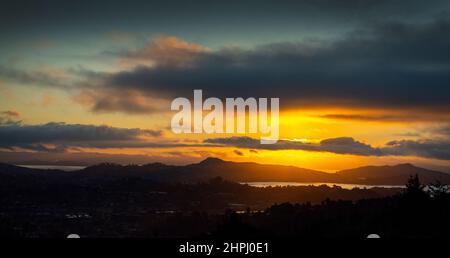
(60, 136)
(435, 149)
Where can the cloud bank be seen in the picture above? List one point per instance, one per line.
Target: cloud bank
(389, 65)
(435, 149)
(60, 136)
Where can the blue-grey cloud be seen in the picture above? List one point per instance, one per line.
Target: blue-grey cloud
(341, 145)
(60, 136)
(33, 77)
(388, 65)
(435, 149)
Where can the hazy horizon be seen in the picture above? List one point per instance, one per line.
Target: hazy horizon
(73, 165)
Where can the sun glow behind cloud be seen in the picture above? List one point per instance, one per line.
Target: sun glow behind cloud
(332, 86)
(301, 125)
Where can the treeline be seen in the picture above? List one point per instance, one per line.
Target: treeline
(417, 212)
(135, 207)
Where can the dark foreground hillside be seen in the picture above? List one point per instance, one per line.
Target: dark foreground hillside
(49, 205)
(411, 214)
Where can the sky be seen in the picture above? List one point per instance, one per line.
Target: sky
(360, 82)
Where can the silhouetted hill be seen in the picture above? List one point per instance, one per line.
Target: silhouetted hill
(238, 172)
(110, 200)
(250, 172)
(253, 172)
(395, 175)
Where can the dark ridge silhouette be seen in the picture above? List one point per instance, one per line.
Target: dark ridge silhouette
(127, 203)
(253, 172)
(245, 172)
(211, 161)
(161, 201)
(396, 175)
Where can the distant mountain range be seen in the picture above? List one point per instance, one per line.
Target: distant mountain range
(236, 171)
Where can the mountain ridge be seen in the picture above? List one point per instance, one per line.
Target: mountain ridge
(245, 172)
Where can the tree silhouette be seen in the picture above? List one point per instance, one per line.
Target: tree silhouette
(415, 193)
(413, 186)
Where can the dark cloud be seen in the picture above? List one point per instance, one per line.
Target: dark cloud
(435, 149)
(379, 59)
(390, 65)
(34, 77)
(354, 117)
(238, 152)
(385, 118)
(60, 136)
(342, 145)
(37, 147)
(347, 145)
(128, 101)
